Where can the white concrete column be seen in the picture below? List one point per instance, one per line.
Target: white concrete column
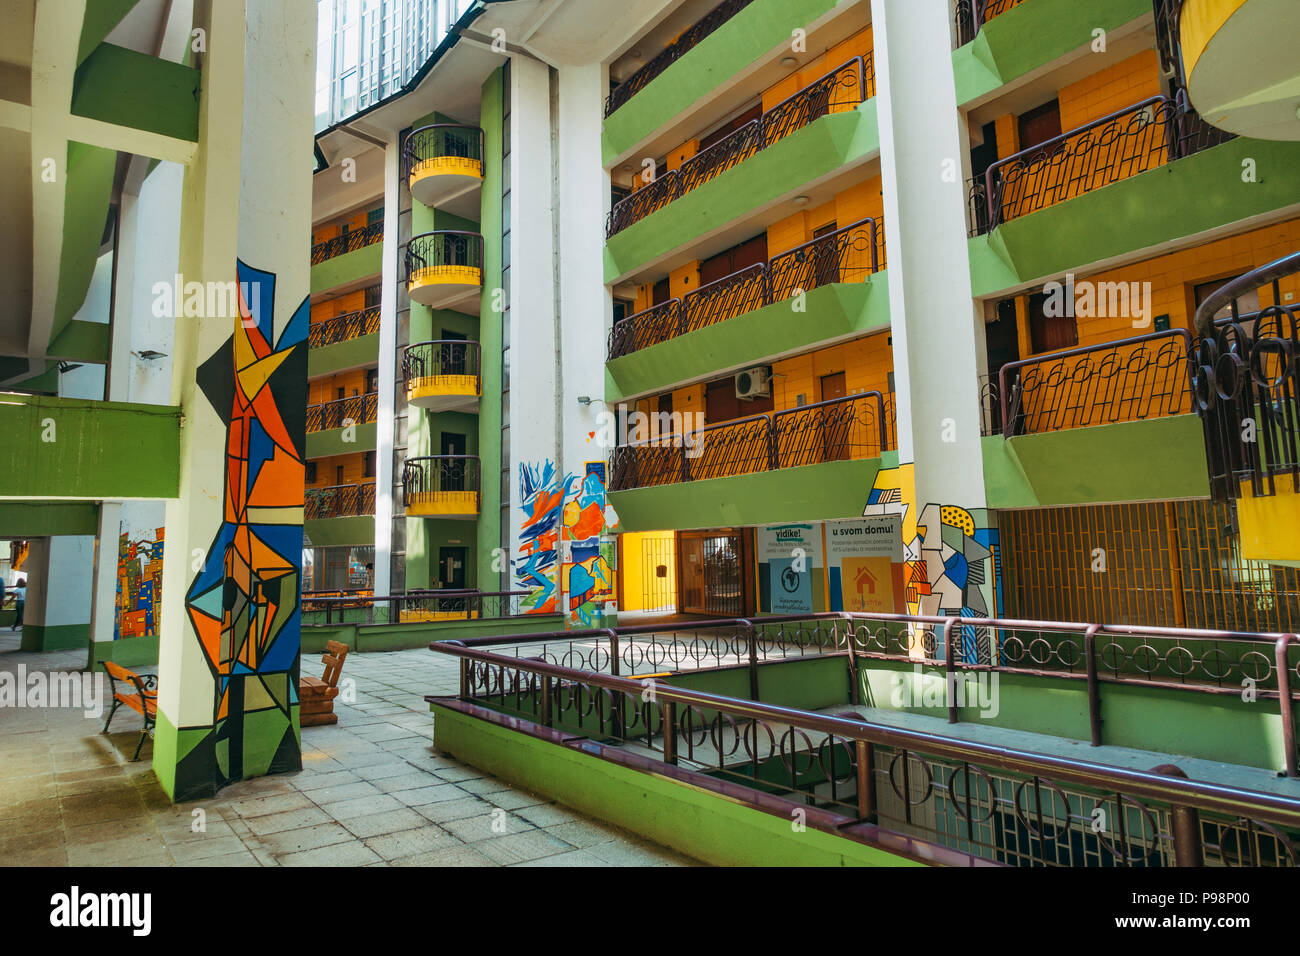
(387, 376)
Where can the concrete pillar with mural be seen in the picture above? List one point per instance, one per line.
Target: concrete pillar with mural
(229, 646)
(949, 538)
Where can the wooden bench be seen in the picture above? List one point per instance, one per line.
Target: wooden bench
(316, 694)
(142, 698)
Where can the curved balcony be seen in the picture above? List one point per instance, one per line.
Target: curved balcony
(850, 254)
(355, 410)
(340, 501)
(842, 429)
(443, 375)
(344, 328)
(443, 163)
(348, 242)
(442, 486)
(840, 90)
(444, 268)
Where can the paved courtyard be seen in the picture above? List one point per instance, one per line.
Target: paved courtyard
(372, 791)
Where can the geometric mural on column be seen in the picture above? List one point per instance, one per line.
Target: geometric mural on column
(243, 605)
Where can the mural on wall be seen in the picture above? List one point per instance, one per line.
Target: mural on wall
(950, 558)
(243, 604)
(139, 586)
(541, 496)
(588, 569)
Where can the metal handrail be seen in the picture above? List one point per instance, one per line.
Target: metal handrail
(344, 328)
(443, 248)
(441, 357)
(362, 409)
(339, 501)
(438, 140)
(350, 241)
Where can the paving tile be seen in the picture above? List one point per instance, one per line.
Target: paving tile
(520, 847)
(390, 821)
(406, 843)
(304, 838)
(452, 856)
(336, 854)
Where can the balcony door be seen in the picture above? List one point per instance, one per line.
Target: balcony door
(712, 572)
(453, 358)
(452, 472)
(835, 422)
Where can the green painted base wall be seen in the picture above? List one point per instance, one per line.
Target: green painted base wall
(128, 652)
(403, 637)
(38, 637)
(695, 822)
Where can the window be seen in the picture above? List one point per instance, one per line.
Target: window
(309, 473)
(1047, 333)
(372, 380)
(1040, 124)
(370, 465)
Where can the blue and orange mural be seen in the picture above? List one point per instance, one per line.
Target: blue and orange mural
(588, 573)
(139, 586)
(541, 496)
(243, 604)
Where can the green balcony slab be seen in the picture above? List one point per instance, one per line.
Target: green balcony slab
(832, 312)
(821, 148)
(331, 441)
(1153, 460)
(349, 267)
(834, 489)
(1145, 212)
(332, 532)
(87, 195)
(999, 53)
(71, 448)
(39, 519)
(726, 53)
(354, 353)
(120, 86)
(82, 342)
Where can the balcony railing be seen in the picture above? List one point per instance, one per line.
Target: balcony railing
(343, 328)
(1131, 379)
(341, 501)
(348, 242)
(1245, 379)
(1133, 140)
(425, 363)
(678, 48)
(443, 141)
(361, 409)
(850, 254)
(427, 477)
(414, 606)
(431, 255)
(842, 429)
(971, 16)
(839, 90)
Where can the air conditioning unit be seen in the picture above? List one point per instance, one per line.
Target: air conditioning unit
(754, 382)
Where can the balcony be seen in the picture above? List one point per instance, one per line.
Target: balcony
(443, 164)
(355, 410)
(444, 268)
(1138, 138)
(443, 375)
(675, 51)
(851, 254)
(344, 328)
(442, 486)
(348, 242)
(340, 501)
(839, 91)
(971, 16)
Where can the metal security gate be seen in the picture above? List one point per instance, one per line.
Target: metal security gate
(1163, 563)
(711, 577)
(658, 574)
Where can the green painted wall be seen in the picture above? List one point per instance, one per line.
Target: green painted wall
(1181, 199)
(1158, 459)
(835, 489)
(755, 31)
(100, 449)
(349, 267)
(354, 353)
(38, 519)
(401, 637)
(832, 312)
(126, 88)
(696, 822)
(330, 441)
(38, 637)
(332, 532)
(128, 652)
(88, 178)
(822, 147)
(999, 53)
(83, 342)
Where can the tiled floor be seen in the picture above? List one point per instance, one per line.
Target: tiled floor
(372, 791)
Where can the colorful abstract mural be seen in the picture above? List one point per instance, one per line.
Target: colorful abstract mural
(541, 497)
(139, 586)
(243, 604)
(588, 570)
(950, 557)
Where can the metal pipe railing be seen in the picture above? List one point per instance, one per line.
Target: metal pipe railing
(344, 328)
(348, 242)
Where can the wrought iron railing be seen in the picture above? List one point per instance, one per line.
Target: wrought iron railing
(442, 357)
(990, 406)
(850, 254)
(971, 15)
(445, 251)
(874, 782)
(1246, 386)
(1144, 136)
(348, 242)
(840, 89)
(415, 606)
(340, 501)
(426, 477)
(360, 409)
(853, 427)
(343, 328)
(454, 141)
(684, 43)
(1127, 380)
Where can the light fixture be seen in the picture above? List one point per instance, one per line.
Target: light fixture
(800, 200)
(788, 61)
(150, 354)
(584, 399)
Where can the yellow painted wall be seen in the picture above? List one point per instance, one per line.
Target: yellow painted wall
(860, 44)
(354, 470)
(354, 221)
(1110, 90)
(326, 389)
(866, 364)
(328, 309)
(638, 576)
